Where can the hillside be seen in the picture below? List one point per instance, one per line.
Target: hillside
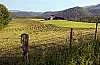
(71, 13)
(95, 10)
(17, 13)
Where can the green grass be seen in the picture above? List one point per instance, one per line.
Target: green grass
(71, 24)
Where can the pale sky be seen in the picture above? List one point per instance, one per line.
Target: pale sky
(46, 5)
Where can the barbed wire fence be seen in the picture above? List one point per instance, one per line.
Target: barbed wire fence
(57, 52)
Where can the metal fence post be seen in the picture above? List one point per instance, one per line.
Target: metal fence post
(25, 47)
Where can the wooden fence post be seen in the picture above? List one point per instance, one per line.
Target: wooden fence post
(81, 39)
(96, 30)
(71, 37)
(25, 47)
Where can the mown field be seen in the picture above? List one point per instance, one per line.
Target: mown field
(71, 24)
(47, 39)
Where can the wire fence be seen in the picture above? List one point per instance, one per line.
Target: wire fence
(76, 47)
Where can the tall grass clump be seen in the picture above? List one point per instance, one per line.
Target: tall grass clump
(55, 54)
(88, 54)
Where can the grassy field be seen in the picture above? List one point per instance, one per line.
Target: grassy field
(37, 31)
(44, 38)
(71, 24)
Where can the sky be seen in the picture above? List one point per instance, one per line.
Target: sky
(46, 5)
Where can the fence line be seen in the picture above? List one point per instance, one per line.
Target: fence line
(24, 41)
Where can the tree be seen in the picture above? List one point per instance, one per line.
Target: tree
(4, 15)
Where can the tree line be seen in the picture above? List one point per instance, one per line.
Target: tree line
(90, 19)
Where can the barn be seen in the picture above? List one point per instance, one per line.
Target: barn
(52, 17)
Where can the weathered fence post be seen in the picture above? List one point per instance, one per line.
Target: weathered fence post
(25, 47)
(81, 39)
(96, 30)
(71, 37)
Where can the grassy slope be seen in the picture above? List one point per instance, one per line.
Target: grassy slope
(71, 24)
(38, 32)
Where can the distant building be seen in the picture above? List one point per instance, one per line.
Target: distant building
(53, 17)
